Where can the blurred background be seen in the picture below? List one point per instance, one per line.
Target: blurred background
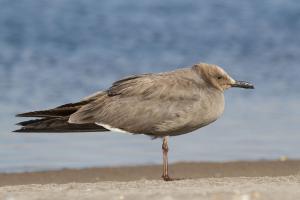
(58, 51)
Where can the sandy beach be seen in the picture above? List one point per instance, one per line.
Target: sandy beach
(230, 180)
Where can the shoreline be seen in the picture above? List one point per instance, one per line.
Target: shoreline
(185, 170)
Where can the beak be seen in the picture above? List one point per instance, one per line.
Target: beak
(242, 84)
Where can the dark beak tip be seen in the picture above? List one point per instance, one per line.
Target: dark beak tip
(250, 86)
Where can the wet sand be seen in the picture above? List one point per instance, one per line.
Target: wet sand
(230, 180)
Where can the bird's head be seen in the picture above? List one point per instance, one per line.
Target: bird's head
(218, 78)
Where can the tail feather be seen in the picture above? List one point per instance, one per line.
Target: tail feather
(28, 122)
(49, 113)
(48, 125)
(56, 120)
(63, 110)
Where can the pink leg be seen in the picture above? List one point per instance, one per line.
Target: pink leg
(165, 150)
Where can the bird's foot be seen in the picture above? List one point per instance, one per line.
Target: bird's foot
(167, 178)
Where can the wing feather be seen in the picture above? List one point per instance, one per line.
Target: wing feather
(140, 104)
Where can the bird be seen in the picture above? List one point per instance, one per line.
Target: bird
(155, 104)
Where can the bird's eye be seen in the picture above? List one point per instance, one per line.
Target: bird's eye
(219, 77)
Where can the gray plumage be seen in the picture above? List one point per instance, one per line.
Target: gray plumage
(158, 105)
(170, 103)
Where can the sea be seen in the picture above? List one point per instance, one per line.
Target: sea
(59, 51)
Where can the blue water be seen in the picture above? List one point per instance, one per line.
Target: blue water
(54, 52)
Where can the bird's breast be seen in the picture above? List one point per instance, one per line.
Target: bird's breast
(207, 109)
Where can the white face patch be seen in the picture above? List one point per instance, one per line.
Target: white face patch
(109, 127)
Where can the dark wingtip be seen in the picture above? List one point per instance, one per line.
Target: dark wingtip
(22, 115)
(17, 131)
(40, 113)
(19, 124)
(22, 130)
(28, 114)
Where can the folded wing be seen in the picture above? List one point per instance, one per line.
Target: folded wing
(144, 104)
